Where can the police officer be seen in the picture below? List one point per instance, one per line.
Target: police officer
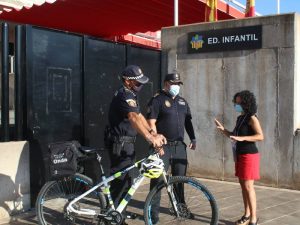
(125, 121)
(169, 114)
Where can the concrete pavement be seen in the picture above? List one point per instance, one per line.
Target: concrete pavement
(275, 206)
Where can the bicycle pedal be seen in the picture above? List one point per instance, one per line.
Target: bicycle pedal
(130, 215)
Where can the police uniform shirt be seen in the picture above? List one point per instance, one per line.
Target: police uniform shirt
(170, 114)
(124, 102)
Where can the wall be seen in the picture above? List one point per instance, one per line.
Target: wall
(14, 179)
(211, 80)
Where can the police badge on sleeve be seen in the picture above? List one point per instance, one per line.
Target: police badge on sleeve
(131, 102)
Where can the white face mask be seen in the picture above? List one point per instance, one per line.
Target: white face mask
(174, 90)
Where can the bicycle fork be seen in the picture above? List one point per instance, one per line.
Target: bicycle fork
(171, 194)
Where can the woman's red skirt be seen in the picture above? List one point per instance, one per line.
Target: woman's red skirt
(247, 166)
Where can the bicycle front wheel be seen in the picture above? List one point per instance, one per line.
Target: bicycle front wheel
(54, 197)
(194, 202)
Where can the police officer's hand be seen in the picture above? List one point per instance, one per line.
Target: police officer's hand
(158, 140)
(160, 150)
(192, 145)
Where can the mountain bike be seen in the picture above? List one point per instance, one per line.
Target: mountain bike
(76, 200)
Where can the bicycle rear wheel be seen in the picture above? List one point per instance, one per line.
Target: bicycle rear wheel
(54, 197)
(195, 203)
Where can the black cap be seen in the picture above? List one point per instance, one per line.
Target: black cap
(173, 78)
(133, 72)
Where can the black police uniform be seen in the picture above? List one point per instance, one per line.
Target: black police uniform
(172, 117)
(122, 136)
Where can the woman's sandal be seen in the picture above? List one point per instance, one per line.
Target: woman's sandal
(256, 223)
(243, 221)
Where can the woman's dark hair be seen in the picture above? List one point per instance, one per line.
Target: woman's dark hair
(248, 101)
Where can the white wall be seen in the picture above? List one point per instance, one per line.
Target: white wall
(14, 179)
(297, 75)
(211, 79)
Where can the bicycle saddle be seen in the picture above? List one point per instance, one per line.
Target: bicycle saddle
(88, 150)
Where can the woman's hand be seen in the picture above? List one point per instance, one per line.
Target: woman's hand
(237, 138)
(221, 128)
(219, 125)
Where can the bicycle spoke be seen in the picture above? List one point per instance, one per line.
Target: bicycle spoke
(55, 197)
(195, 205)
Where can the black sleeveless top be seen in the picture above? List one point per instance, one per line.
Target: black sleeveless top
(242, 128)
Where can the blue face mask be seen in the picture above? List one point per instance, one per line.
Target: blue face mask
(238, 108)
(174, 90)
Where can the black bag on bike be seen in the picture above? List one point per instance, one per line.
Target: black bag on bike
(63, 158)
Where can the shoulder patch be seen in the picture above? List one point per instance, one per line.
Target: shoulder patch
(131, 102)
(181, 102)
(156, 94)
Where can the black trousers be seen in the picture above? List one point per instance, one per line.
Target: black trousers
(120, 186)
(176, 157)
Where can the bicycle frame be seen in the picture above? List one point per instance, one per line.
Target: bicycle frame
(104, 185)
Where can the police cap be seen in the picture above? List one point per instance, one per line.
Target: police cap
(173, 78)
(133, 72)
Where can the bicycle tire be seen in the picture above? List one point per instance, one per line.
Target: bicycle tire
(54, 197)
(197, 207)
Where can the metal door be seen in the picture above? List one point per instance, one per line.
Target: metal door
(54, 71)
(149, 61)
(103, 62)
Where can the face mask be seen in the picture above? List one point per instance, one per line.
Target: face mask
(238, 108)
(137, 88)
(174, 90)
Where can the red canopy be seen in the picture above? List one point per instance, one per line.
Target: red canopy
(109, 18)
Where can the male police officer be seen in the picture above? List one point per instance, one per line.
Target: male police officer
(169, 114)
(125, 121)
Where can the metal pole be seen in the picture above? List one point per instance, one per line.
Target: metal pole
(175, 12)
(19, 78)
(278, 6)
(243, 7)
(5, 85)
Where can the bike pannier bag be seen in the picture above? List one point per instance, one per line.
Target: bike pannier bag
(63, 158)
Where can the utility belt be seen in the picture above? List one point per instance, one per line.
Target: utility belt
(127, 139)
(174, 143)
(118, 143)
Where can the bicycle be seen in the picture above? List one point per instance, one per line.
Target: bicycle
(75, 200)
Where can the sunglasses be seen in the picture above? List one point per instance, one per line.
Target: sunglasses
(136, 83)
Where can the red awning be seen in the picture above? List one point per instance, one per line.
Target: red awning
(107, 18)
(9, 5)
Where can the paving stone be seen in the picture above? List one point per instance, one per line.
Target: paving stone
(275, 206)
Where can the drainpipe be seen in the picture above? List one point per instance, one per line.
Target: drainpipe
(176, 12)
(19, 79)
(5, 85)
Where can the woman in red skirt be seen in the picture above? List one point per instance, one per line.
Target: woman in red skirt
(246, 132)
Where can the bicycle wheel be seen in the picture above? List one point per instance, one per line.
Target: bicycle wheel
(195, 203)
(54, 197)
